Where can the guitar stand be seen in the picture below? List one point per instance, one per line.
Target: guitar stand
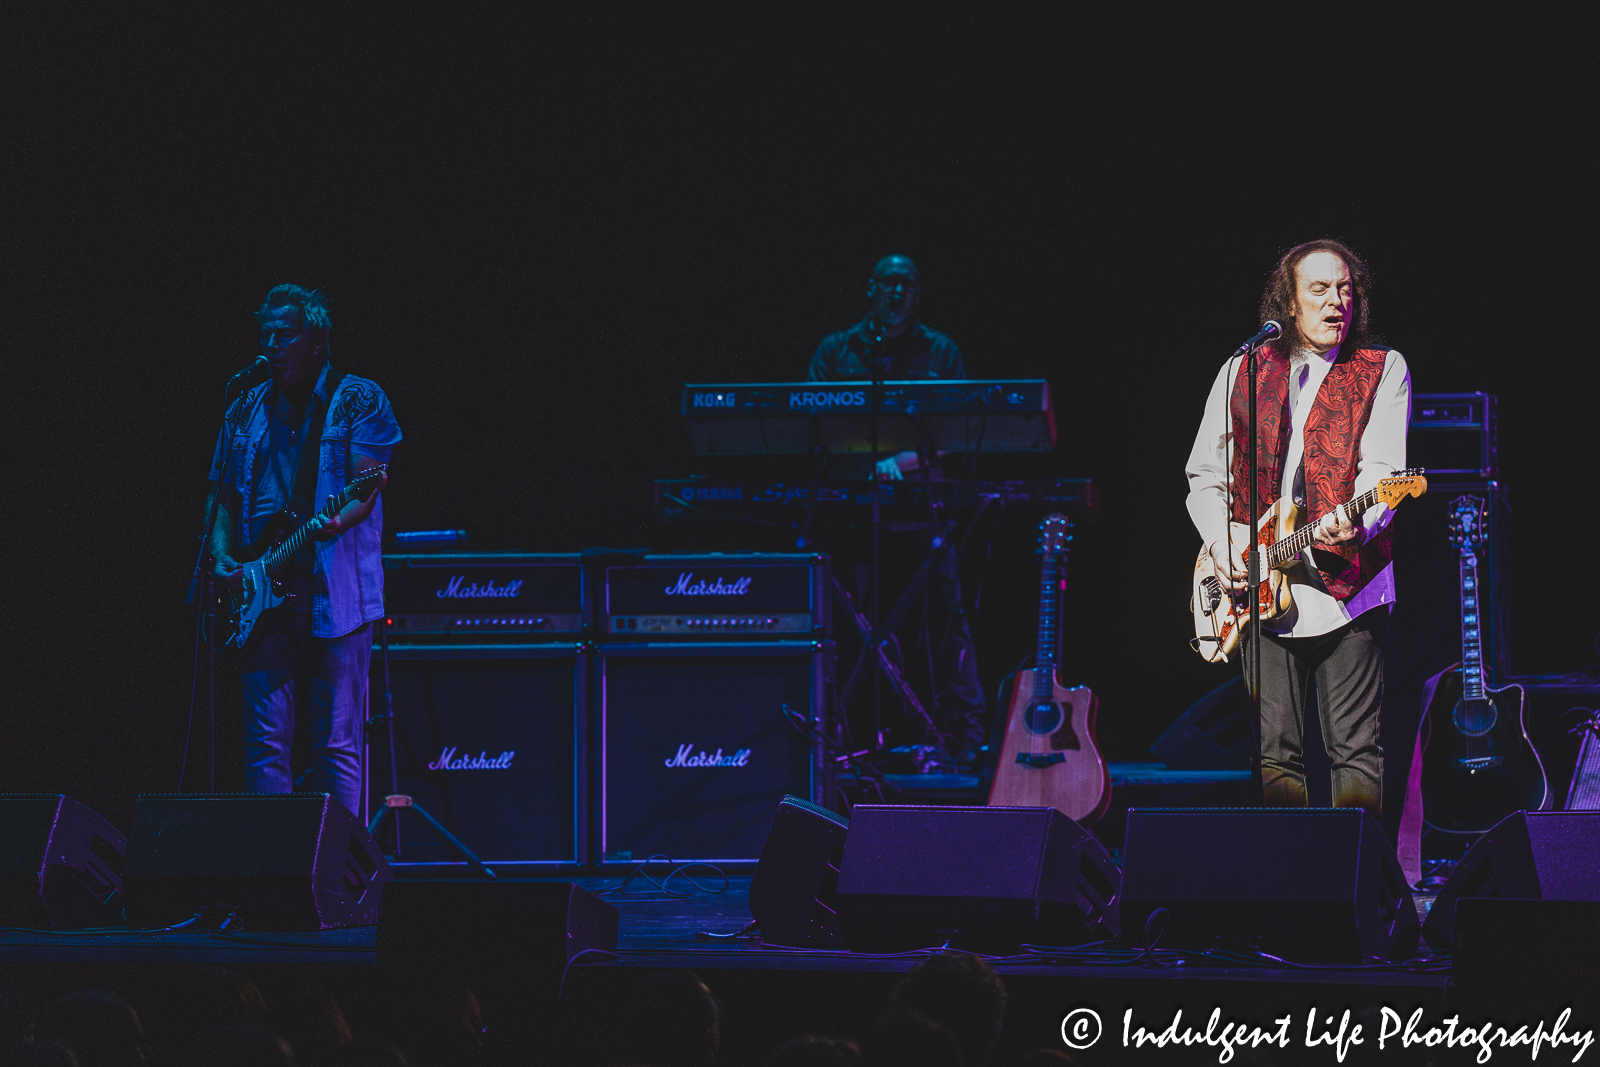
(878, 638)
(877, 648)
(396, 801)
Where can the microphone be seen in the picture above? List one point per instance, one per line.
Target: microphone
(259, 364)
(1268, 331)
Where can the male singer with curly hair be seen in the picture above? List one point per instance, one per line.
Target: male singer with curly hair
(1332, 411)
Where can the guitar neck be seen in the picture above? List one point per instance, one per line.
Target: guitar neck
(1283, 551)
(1044, 672)
(279, 555)
(1472, 683)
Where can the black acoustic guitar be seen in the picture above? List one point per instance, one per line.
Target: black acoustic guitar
(1478, 765)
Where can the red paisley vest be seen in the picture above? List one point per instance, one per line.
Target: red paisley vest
(1332, 437)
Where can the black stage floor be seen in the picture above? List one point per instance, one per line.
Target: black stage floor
(767, 993)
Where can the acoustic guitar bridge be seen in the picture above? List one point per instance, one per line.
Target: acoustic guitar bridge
(1040, 759)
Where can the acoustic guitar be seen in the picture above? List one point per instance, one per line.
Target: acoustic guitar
(1280, 537)
(1048, 757)
(1478, 765)
(262, 586)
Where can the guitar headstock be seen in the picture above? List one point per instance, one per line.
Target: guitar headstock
(1054, 533)
(1409, 482)
(1468, 514)
(364, 482)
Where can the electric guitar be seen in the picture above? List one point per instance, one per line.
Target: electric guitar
(1048, 757)
(1478, 765)
(1280, 538)
(262, 588)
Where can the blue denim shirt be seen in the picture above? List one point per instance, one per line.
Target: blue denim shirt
(347, 584)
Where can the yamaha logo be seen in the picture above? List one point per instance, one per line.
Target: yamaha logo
(712, 492)
(687, 757)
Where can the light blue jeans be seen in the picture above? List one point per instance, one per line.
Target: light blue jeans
(326, 678)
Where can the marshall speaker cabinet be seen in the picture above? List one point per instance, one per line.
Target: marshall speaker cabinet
(750, 595)
(489, 673)
(443, 598)
(694, 747)
(489, 739)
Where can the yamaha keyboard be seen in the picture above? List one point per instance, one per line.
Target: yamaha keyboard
(783, 418)
(713, 500)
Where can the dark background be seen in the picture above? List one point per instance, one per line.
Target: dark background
(534, 232)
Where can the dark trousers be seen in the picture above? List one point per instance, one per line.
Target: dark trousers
(1345, 670)
(292, 671)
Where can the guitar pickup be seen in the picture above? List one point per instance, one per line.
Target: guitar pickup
(1040, 759)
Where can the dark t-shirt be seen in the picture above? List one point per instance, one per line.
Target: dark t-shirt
(920, 352)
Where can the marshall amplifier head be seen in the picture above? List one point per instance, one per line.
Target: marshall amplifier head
(483, 597)
(753, 595)
(1453, 436)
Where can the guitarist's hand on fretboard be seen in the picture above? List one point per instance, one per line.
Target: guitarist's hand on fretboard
(354, 513)
(1336, 528)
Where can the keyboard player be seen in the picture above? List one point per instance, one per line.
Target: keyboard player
(904, 349)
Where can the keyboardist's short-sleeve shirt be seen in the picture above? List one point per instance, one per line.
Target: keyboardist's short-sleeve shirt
(920, 353)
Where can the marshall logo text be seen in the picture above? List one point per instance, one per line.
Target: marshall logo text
(687, 586)
(687, 757)
(449, 761)
(457, 588)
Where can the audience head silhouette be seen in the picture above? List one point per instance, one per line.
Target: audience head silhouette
(672, 1020)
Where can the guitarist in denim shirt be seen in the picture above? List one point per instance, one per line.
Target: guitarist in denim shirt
(312, 655)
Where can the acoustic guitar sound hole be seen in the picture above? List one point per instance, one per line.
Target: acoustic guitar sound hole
(1042, 718)
(1474, 717)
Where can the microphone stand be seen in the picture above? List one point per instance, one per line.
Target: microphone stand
(877, 350)
(202, 594)
(1253, 570)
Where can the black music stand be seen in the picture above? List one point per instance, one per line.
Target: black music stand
(396, 802)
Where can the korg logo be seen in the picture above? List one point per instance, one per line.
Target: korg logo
(713, 400)
(855, 399)
(686, 757)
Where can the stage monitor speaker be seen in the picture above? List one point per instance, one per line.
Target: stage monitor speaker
(792, 893)
(1535, 855)
(1520, 961)
(695, 748)
(60, 862)
(280, 861)
(1213, 735)
(1308, 884)
(458, 927)
(986, 879)
(489, 740)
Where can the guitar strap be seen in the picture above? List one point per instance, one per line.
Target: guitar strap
(305, 473)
